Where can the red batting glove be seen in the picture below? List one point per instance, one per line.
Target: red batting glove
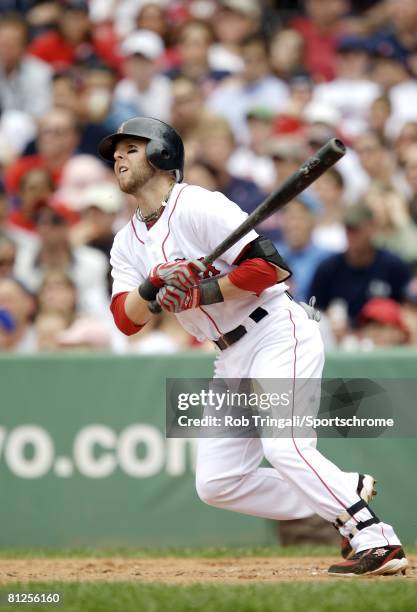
(180, 274)
(175, 300)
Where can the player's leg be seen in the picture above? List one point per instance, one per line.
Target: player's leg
(295, 351)
(228, 476)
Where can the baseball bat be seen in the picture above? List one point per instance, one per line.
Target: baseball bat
(310, 171)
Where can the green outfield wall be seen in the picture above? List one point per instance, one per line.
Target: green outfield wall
(84, 459)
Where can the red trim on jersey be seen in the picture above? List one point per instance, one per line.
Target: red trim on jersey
(212, 320)
(134, 229)
(120, 317)
(292, 433)
(169, 218)
(254, 275)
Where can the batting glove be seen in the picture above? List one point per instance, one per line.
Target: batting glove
(181, 274)
(176, 300)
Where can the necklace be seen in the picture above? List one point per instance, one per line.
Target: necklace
(154, 216)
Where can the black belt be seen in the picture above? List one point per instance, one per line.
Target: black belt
(236, 334)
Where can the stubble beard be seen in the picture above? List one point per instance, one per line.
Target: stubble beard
(136, 180)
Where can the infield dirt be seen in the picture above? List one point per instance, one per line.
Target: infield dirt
(171, 570)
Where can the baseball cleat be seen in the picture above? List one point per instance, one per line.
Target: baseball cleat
(366, 489)
(381, 561)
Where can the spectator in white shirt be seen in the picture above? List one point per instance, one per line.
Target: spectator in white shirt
(256, 86)
(25, 81)
(143, 88)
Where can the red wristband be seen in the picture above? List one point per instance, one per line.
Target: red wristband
(120, 317)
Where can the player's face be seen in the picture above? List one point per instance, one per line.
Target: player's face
(131, 165)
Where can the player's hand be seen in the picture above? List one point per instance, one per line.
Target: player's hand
(176, 300)
(181, 274)
(312, 312)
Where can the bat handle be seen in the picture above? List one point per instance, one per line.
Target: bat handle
(154, 307)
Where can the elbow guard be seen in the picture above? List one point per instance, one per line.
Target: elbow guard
(264, 248)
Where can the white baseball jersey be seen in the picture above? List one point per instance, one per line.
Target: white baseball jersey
(193, 223)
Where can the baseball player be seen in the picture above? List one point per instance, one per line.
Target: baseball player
(241, 304)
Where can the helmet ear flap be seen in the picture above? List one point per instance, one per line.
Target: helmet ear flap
(159, 156)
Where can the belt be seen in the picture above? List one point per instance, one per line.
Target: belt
(236, 334)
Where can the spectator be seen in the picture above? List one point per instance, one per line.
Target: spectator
(287, 51)
(97, 98)
(351, 92)
(320, 29)
(377, 161)
(73, 40)
(57, 294)
(406, 137)
(17, 306)
(378, 117)
(35, 190)
(217, 144)
(401, 33)
(148, 92)
(201, 173)
(8, 251)
(57, 141)
(86, 266)
(187, 110)
(409, 310)
(361, 272)
(381, 323)
(253, 162)
(24, 80)
(22, 238)
(79, 172)
(194, 41)
(394, 228)
(48, 327)
(234, 21)
(329, 232)
(256, 86)
(410, 169)
(302, 256)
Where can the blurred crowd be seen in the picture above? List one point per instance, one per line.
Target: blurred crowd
(253, 88)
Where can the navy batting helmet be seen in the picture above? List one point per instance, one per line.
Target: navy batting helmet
(165, 150)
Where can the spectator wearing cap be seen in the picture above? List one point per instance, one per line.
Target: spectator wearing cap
(57, 140)
(17, 306)
(400, 33)
(321, 27)
(252, 161)
(86, 266)
(351, 92)
(216, 147)
(409, 310)
(255, 86)
(381, 323)
(79, 173)
(25, 81)
(73, 40)
(98, 103)
(299, 218)
(362, 271)
(233, 22)
(392, 75)
(143, 88)
(194, 40)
